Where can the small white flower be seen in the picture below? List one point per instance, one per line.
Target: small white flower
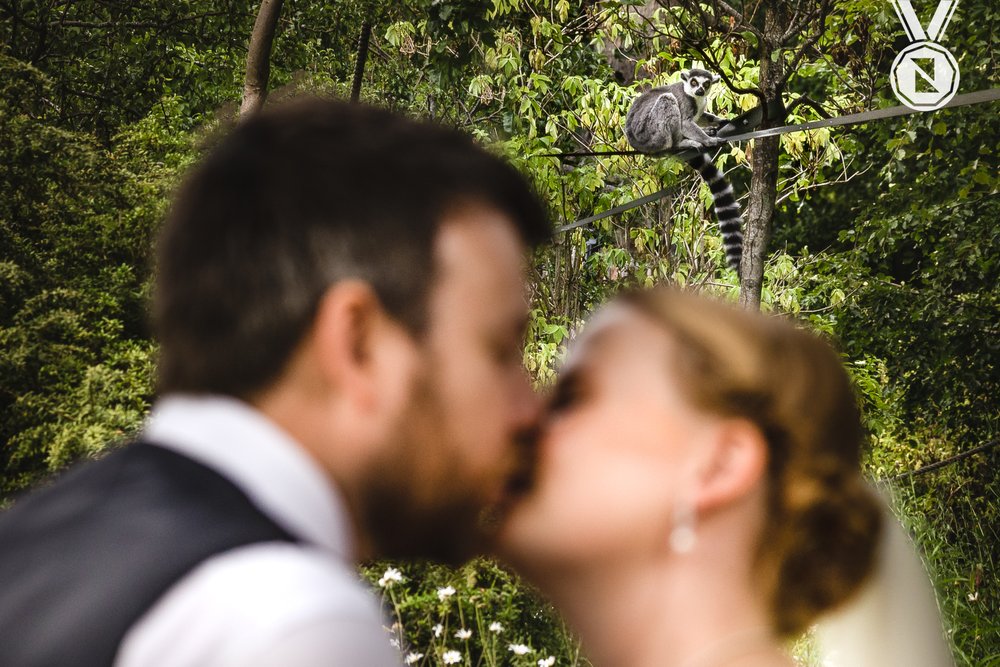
(451, 657)
(412, 658)
(394, 643)
(519, 649)
(438, 629)
(496, 627)
(463, 634)
(547, 662)
(445, 593)
(391, 576)
(973, 596)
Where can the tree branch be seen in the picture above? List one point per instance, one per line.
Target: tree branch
(800, 52)
(62, 23)
(744, 24)
(697, 44)
(809, 102)
(718, 69)
(943, 463)
(796, 25)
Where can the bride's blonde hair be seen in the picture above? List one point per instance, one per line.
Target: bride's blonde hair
(818, 543)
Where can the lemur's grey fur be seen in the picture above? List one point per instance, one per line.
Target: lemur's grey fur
(666, 118)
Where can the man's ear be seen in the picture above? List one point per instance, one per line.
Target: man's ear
(735, 463)
(347, 324)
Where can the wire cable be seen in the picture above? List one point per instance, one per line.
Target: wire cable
(977, 97)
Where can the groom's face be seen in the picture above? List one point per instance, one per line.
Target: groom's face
(459, 441)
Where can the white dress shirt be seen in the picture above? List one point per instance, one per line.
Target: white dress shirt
(273, 604)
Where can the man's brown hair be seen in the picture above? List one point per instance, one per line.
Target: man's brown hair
(290, 202)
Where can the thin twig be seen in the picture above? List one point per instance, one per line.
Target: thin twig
(61, 23)
(931, 467)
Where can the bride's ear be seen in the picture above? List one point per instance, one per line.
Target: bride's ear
(734, 463)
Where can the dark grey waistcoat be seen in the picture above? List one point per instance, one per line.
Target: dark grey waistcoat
(82, 559)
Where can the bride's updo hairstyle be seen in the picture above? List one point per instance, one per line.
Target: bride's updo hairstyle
(822, 527)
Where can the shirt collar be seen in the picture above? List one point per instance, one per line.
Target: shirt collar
(275, 472)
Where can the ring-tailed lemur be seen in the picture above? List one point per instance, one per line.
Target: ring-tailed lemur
(666, 118)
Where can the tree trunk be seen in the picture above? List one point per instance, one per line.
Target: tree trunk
(259, 57)
(359, 65)
(757, 223)
(764, 166)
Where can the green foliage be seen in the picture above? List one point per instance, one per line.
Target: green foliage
(109, 63)
(885, 235)
(75, 369)
(480, 613)
(915, 249)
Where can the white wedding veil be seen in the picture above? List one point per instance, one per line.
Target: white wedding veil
(894, 619)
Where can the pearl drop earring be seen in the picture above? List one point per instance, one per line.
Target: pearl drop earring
(682, 535)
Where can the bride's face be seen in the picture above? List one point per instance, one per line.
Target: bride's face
(614, 453)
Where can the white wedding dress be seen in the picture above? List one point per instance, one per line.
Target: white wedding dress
(894, 620)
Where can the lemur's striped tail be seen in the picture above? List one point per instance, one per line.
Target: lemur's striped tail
(727, 209)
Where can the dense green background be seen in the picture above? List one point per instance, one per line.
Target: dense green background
(886, 235)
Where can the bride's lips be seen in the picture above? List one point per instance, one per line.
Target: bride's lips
(520, 482)
(518, 485)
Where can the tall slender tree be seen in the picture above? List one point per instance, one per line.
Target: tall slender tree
(779, 35)
(258, 70)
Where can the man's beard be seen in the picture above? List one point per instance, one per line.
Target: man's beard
(439, 518)
(449, 532)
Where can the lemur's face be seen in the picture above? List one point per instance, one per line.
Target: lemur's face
(697, 82)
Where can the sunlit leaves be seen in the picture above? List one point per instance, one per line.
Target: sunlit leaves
(400, 35)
